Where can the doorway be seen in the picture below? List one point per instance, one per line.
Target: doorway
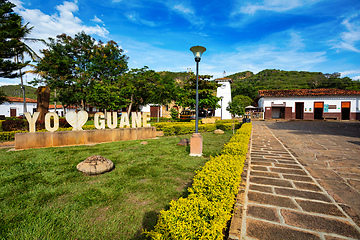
(278, 112)
(299, 110)
(12, 112)
(154, 111)
(345, 110)
(318, 110)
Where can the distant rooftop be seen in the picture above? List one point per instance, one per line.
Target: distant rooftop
(20, 99)
(306, 92)
(223, 80)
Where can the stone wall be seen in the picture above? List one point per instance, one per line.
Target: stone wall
(70, 138)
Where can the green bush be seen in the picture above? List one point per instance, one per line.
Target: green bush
(9, 135)
(163, 119)
(205, 212)
(171, 128)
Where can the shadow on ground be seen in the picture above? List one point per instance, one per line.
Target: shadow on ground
(343, 128)
(150, 218)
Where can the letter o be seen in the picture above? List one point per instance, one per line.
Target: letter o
(47, 122)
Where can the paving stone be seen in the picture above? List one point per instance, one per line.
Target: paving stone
(270, 181)
(265, 230)
(260, 188)
(349, 175)
(317, 223)
(350, 212)
(278, 157)
(328, 237)
(259, 168)
(262, 212)
(307, 186)
(261, 163)
(263, 160)
(271, 199)
(355, 183)
(288, 171)
(302, 194)
(264, 174)
(281, 165)
(354, 170)
(318, 207)
(287, 161)
(298, 178)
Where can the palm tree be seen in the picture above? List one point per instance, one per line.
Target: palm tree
(26, 49)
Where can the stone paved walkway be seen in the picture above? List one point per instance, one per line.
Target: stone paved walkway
(283, 201)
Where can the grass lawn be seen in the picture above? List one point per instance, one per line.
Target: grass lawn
(43, 196)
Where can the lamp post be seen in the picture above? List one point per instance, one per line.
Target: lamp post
(196, 139)
(221, 106)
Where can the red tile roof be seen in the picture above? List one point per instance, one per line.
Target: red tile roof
(19, 99)
(306, 92)
(57, 106)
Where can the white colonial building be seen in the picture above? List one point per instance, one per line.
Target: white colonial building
(15, 106)
(224, 92)
(310, 104)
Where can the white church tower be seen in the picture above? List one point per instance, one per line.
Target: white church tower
(224, 91)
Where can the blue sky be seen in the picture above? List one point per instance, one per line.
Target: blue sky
(240, 35)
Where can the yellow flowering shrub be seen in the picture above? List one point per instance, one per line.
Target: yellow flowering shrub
(205, 212)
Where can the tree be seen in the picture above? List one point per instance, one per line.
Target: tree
(64, 65)
(244, 89)
(2, 97)
(174, 113)
(237, 106)
(83, 71)
(108, 63)
(207, 93)
(11, 30)
(143, 86)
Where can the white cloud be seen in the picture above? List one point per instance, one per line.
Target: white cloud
(96, 19)
(354, 74)
(45, 26)
(274, 5)
(183, 9)
(64, 21)
(186, 11)
(135, 18)
(350, 39)
(255, 57)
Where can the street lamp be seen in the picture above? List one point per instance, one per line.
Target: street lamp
(221, 98)
(196, 139)
(197, 51)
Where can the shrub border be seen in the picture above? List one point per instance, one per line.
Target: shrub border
(205, 212)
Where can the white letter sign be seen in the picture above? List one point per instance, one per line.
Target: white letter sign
(114, 121)
(101, 121)
(47, 122)
(32, 120)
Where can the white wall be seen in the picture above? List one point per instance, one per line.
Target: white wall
(309, 102)
(224, 91)
(19, 106)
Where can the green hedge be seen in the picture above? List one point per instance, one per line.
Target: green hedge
(173, 128)
(205, 212)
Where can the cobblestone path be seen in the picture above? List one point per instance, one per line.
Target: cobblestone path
(283, 201)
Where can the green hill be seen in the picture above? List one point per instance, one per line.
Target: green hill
(16, 91)
(247, 83)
